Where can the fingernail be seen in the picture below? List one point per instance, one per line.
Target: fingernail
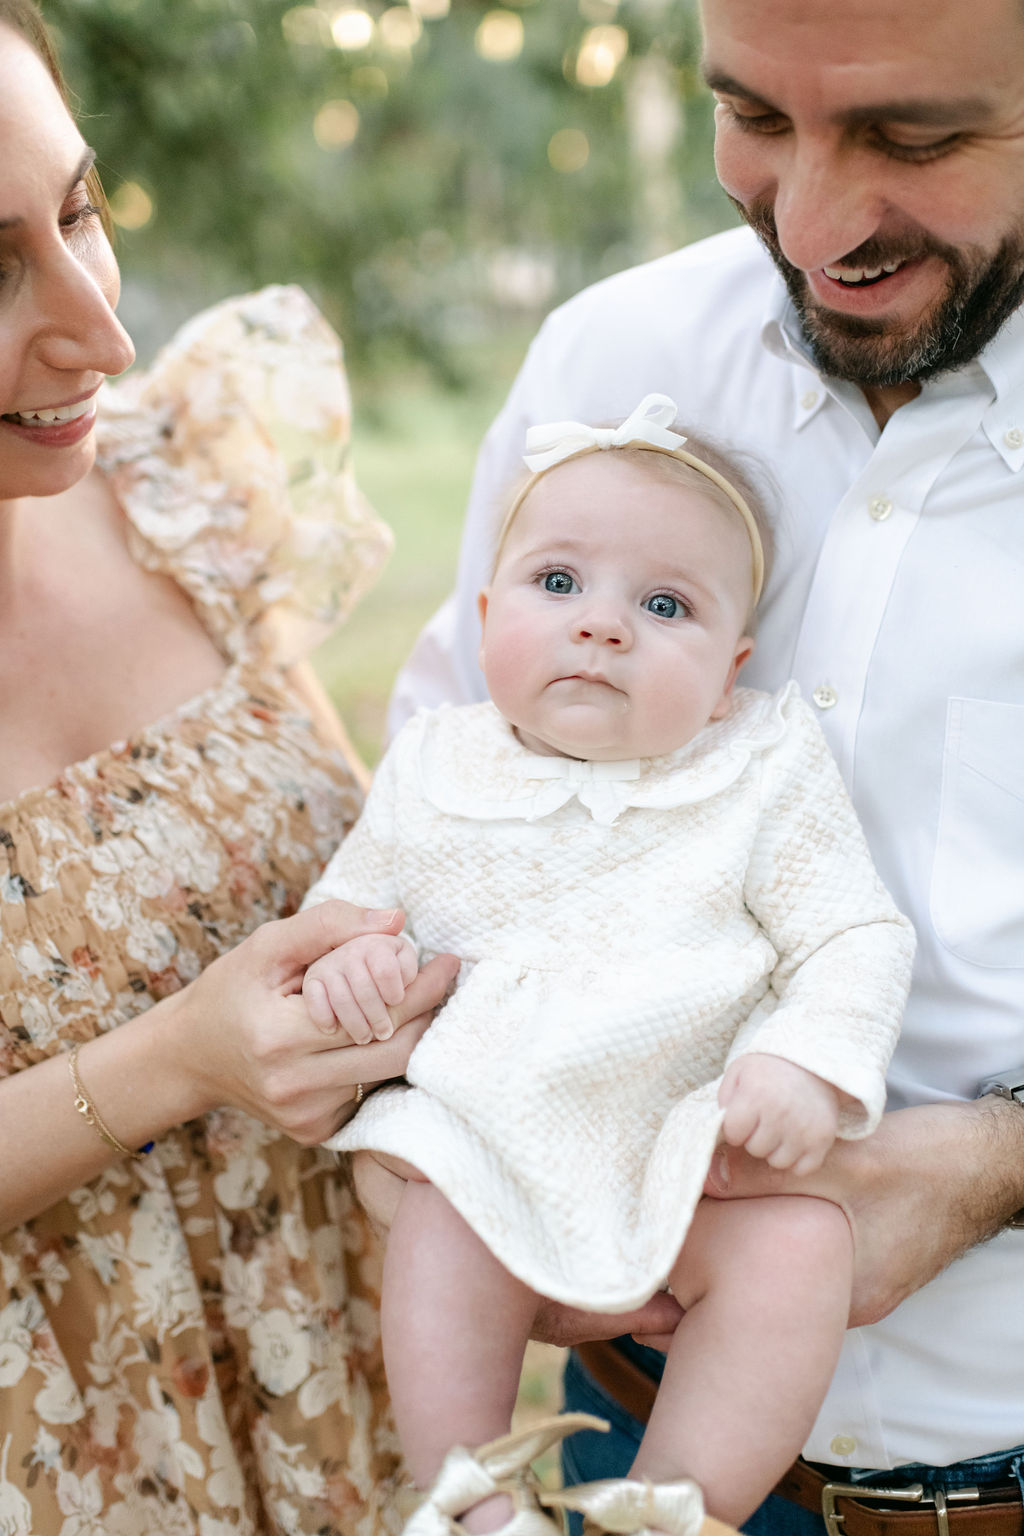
(722, 1169)
(381, 919)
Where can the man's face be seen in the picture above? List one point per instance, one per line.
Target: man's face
(877, 148)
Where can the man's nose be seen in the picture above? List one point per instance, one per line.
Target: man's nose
(825, 204)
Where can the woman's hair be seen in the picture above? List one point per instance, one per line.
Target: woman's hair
(23, 17)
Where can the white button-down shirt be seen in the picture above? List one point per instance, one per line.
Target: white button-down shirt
(897, 602)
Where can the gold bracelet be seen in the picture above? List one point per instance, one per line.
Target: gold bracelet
(91, 1115)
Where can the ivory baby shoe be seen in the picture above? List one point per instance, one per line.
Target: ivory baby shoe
(629, 1507)
(502, 1466)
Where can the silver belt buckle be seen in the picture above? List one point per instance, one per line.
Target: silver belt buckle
(914, 1494)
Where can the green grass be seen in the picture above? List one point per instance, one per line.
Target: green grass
(414, 448)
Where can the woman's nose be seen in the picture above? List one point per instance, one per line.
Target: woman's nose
(81, 331)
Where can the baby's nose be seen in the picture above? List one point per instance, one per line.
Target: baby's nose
(603, 627)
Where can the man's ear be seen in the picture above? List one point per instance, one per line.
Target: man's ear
(744, 651)
(481, 608)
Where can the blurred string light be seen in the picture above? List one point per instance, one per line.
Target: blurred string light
(336, 124)
(306, 25)
(400, 28)
(568, 150)
(352, 29)
(131, 206)
(499, 37)
(430, 10)
(601, 52)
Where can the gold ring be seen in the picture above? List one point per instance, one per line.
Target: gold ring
(360, 1094)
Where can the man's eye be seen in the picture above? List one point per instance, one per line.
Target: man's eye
(754, 122)
(923, 150)
(560, 582)
(664, 606)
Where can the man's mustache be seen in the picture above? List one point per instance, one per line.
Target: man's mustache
(875, 252)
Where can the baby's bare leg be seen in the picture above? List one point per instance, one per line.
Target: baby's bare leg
(455, 1325)
(766, 1289)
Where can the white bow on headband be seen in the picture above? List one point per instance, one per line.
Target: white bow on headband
(557, 440)
(648, 427)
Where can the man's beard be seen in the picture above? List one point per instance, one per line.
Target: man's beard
(981, 295)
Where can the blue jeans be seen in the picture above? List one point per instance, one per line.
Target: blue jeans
(591, 1455)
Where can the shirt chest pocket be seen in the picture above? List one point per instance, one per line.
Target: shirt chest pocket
(977, 897)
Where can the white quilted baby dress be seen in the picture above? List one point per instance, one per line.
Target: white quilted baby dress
(625, 929)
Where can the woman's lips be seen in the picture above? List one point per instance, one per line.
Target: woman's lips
(57, 426)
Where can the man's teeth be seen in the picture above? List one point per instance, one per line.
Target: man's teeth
(46, 418)
(861, 274)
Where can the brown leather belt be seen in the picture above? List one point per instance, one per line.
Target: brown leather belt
(846, 1510)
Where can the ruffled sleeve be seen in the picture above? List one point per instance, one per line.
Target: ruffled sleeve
(230, 458)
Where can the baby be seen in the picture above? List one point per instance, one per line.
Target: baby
(671, 935)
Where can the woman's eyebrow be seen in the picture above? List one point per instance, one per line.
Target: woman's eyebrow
(83, 168)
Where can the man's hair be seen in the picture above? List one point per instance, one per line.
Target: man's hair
(23, 17)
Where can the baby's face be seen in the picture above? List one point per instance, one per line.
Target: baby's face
(615, 622)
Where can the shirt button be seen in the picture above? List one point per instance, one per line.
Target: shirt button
(1014, 438)
(880, 508)
(842, 1445)
(809, 400)
(825, 696)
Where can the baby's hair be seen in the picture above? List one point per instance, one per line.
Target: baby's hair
(746, 481)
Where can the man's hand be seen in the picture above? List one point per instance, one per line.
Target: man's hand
(653, 1323)
(357, 985)
(778, 1112)
(927, 1186)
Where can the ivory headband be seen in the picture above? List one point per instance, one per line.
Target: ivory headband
(646, 427)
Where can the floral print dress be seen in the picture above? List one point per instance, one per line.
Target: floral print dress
(189, 1344)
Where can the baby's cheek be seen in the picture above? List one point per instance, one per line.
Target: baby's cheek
(512, 654)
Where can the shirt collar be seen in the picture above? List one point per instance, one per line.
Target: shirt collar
(1000, 367)
(780, 334)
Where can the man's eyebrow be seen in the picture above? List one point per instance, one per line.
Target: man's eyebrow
(967, 110)
(925, 113)
(718, 80)
(83, 168)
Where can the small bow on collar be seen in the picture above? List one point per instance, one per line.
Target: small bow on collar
(577, 771)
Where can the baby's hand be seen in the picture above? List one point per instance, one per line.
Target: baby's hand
(779, 1112)
(357, 983)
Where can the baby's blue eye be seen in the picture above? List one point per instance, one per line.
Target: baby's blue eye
(560, 582)
(664, 606)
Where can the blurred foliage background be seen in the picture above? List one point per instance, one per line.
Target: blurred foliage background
(437, 173)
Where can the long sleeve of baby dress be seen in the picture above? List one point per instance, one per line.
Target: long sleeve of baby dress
(623, 928)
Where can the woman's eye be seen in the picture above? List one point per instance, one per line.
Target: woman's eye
(560, 582)
(664, 606)
(78, 211)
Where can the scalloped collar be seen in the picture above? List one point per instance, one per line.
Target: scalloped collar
(471, 765)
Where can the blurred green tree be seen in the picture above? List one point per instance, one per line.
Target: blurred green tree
(420, 165)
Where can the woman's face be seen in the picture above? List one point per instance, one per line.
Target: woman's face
(59, 335)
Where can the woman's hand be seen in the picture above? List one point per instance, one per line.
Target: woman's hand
(241, 1034)
(928, 1185)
